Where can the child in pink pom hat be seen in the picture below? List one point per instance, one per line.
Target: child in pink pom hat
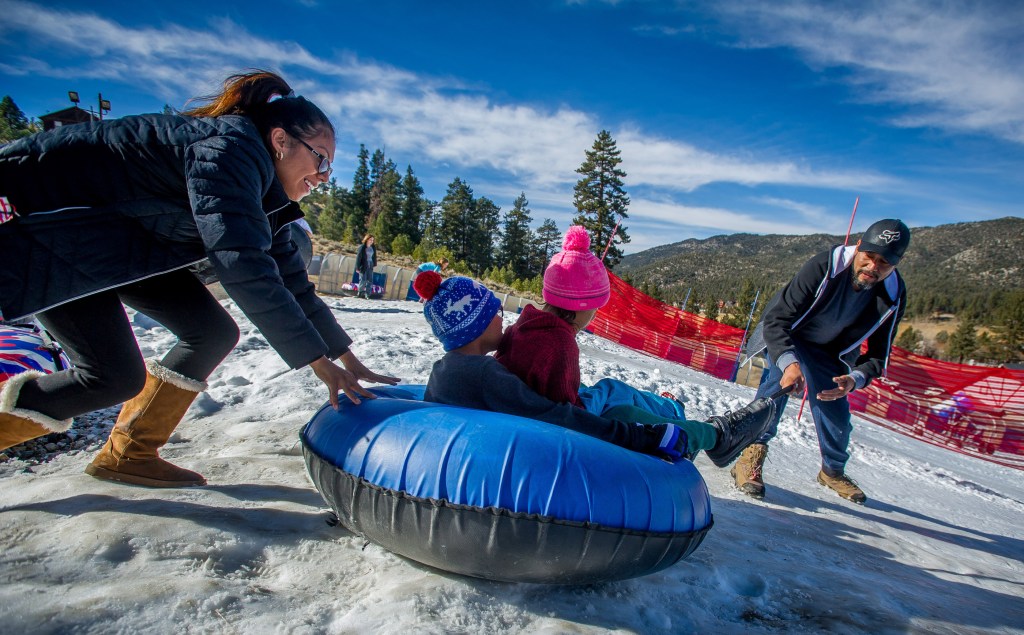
(541, 349)
(575, 279)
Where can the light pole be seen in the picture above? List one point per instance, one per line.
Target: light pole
(104, 105)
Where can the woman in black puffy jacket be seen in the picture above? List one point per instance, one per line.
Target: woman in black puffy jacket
(115, 212)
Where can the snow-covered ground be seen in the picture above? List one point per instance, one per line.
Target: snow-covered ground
(937, 548)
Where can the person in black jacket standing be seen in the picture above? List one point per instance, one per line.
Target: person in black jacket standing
(366, 260)
(814, 328)
(114, 212)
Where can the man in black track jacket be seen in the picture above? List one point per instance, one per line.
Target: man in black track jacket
(814, 329)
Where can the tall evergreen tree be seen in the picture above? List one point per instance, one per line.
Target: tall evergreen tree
(13, 122)
(456, 219)
(517, 239)
(909, 339)
(413, 206)
(383, 221)
(1009, 326)
(430, 225)
(963, 343)
(547, 242)
(484, 230)
(330, 222)
(744, 303)
(600, 200)
(359, 209)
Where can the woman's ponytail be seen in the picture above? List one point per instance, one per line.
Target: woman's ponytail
(269, 101)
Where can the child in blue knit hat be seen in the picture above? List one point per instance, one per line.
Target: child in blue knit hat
(466, 317)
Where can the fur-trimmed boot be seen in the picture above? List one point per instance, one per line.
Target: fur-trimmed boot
(144, 425)
(18, 425)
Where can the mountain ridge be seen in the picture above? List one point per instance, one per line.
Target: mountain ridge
(947, 267)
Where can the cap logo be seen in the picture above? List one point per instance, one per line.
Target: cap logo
(459, 305)
(888, 236)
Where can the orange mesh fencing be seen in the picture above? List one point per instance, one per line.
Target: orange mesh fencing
(974, 410)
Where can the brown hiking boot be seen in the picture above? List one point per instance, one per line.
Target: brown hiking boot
(747, 470)
(844, 486)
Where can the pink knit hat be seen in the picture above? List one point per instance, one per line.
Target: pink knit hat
(576, 279)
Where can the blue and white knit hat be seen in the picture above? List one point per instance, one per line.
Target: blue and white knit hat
(458, 309)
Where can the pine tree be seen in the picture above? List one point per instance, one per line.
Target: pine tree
(517, 238)
(600, 200)
(485, 217)
(430, 225)
(963, 343)
(744, 303)
(1009, 326)
(413, 206)
(711, 309)
(547, 242)
(384, 221)
(360, 196)
(909, 339)
(13, 122)
(455, 218)
(331, 219)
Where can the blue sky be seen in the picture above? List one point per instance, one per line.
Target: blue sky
(763, 117)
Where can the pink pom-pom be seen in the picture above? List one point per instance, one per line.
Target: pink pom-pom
(426, 284)
(576, 239)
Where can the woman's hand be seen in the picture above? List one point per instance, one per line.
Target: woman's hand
(337, 378)
(356, 367)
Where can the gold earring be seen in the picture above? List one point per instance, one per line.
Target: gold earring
(280, 155)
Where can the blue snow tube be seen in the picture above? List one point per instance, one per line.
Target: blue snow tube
(498, 496)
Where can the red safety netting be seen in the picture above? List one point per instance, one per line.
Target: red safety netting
(974, 410)
(642, 323)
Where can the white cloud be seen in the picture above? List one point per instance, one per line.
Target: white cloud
(956, 65)
(806, 211)
(680, 166)
(433, 117)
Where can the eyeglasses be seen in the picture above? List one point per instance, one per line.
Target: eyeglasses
(325, 163)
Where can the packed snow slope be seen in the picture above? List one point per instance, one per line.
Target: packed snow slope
(937, 548)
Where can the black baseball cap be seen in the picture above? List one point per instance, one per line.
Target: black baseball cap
(888, 238)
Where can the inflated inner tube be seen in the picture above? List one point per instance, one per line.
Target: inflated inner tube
(501, 497)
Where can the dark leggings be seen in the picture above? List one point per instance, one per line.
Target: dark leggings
(107, 366)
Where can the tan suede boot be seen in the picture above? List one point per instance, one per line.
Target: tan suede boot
(18, 425)
(843, 485)
(747, 470)
(144, 425)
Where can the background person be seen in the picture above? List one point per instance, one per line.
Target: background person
(366, 260)
(813, 329)
(113, 212)
(440, 266)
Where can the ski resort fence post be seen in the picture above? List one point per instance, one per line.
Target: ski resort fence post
(743, 340)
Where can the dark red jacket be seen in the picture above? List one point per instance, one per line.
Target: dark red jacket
(541, 349)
